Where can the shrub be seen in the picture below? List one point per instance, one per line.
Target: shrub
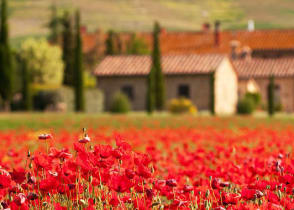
(278, 107)
(45, 100)
(256, 97)
(120, 103)
(246, 106)
(182, 105)
(89, 80)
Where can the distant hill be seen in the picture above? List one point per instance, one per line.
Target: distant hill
(29, 17)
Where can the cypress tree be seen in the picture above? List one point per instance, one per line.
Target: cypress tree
(150, 99)
(6, 68)
(156, 64)
(110, 43)
(68, 49)
(212, 99)
(26, 89)
(78, 69)
(271, 96)
(54, 25)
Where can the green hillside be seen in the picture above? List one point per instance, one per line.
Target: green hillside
(29, 17)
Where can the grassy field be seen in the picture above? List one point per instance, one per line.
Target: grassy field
(29, 17)
(74, 122)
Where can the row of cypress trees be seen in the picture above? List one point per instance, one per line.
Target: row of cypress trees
(73, 58)
(72, 54)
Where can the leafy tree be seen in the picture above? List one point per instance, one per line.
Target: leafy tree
(26, 87)
(6, 65)
(150, 98)
(271, 96)
(68, 49)
(54, 25)
(137, 46)
(212, 94)
(156, 64)
(78, 69)
(43, 60)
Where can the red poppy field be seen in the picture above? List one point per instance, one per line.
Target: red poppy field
(168, 163)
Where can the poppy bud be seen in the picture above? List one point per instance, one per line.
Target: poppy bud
(29, 154)
(207, 193)
(152, 169)
(90, 179)
(83, 202)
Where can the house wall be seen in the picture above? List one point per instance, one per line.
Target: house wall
(111, 85)
(286, 90)
(226, 88)
(199, 89)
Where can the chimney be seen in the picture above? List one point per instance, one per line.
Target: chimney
(162, 31)
(217, 33)
(83, 29)
(251, 25)
(235, 49)
(205, 27)
(246, 53)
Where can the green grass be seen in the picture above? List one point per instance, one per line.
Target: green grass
(29, 17)
(57, 121)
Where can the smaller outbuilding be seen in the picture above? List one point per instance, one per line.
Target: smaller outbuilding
(254, 74)
(185, 76)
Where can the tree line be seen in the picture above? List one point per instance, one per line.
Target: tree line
(72, 57)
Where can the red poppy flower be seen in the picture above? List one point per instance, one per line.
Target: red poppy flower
(45, 136)
(18, 175)
(120, 183)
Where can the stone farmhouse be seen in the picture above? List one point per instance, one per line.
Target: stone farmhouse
(254, 55)
(185, 76)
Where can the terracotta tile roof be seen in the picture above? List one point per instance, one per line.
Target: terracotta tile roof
(171, 64)
(258, 67)
(203, 42)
